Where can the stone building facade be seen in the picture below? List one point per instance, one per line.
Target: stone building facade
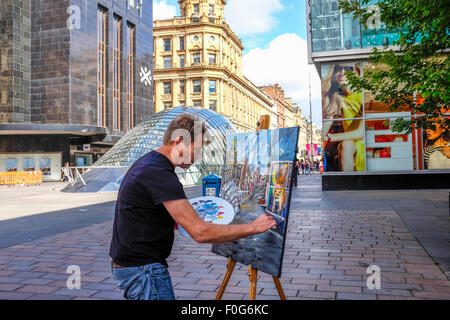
(198, 62)
(75, 77)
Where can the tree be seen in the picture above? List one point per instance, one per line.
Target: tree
(418, 64)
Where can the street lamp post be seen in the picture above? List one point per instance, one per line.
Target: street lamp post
(310, 121)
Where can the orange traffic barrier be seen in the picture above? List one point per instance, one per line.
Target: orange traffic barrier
(26, 177)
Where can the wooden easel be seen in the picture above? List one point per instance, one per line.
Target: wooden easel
(253, 277)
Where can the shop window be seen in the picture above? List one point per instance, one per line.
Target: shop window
(11, 165)
(45, 166)
(28, 164)
(83, 160)
(371, 105)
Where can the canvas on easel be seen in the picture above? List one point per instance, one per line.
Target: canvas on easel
(257, 179)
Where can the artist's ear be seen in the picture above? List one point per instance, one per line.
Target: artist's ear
(178, 140)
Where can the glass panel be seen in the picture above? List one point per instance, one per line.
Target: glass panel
(344, 145)
(182, 60)
(374, 33)
(167, 61)
(28, 164)
(181, 43)
(83, 160)
(330, 29)
(371, 105)
(167, 87)
(213, 105)
(212, 86)
(197, 86)
(338, 101)
(436, 145)
(11, 165)
(167, 44)
(45, 166)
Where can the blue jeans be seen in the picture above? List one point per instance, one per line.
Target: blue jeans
(149, 282)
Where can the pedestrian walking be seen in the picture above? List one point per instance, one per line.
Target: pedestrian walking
(296, 169)
(151, 200)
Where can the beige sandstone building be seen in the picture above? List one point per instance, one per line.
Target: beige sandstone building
(198, 62)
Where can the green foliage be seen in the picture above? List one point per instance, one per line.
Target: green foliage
(417, 63)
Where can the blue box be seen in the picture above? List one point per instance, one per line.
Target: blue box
(211, 185)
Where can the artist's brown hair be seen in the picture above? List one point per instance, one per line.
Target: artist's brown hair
(183, 121)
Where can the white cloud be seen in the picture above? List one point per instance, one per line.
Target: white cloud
(162, 10)
(248, 17)
(285, 62)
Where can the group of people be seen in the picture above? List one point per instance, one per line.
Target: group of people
(309, 167)
(306, 167)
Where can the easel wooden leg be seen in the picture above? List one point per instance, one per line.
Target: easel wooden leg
(230, 267)
(279, 288)
(253, 276)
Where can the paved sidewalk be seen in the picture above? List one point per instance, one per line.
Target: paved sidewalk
(328, 251)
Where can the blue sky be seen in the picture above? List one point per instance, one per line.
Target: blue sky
(273, 33)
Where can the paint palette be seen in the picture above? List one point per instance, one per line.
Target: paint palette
(211, 209)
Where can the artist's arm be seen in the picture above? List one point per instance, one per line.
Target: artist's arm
(202, 232)
(356, 134)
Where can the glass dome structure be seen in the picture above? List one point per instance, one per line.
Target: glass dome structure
(107, 173)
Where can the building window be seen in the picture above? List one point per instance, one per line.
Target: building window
(197, 57)
(102, 17)
(212, 86)
(167, 45)
(212, 58)
(117, 50)
(167, 105)
(181, 60)
(211, 8)
(182, 43)
(11, 165)
(45, 166)
(28, 164)
(167, 62)
(197, 86)
(196, 8)
(198, 103)
(182, 87)
(131, 31)
(213, 105)
(168, 87)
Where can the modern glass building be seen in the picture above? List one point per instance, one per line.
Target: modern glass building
(75, 77)
(360, 150)
(107, 173)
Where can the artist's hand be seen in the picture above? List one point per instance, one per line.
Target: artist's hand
(263, 223)
(446, 151)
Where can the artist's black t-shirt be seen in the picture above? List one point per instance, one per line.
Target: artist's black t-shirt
(143, 230)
